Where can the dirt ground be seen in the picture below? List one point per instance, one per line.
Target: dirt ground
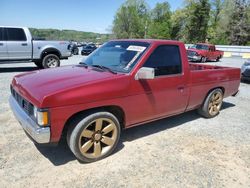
(181, 151)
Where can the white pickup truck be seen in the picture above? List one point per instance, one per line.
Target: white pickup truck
(17, 44)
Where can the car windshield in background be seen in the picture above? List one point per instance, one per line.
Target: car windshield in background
(200, 47)
(118, 56)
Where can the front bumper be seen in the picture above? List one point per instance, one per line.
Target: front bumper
(194, 58)
(39, 134)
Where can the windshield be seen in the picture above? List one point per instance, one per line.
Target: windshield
(200, 47)
(118, 56)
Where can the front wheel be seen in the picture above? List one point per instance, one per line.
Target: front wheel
(212, 104)
(203, 59)
(38, 64)
(94, 137)
(51, 61)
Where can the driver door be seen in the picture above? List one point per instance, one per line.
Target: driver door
(167, 93)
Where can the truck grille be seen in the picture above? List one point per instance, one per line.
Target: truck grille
(24, 104)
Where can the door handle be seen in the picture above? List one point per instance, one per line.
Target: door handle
(24, 44)
(1, 44)
(181, 88)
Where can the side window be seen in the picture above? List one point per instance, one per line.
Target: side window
(1, 34)
(165, 60)
(16, 34)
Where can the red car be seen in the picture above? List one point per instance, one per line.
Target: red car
(123, 84)
(203, 52)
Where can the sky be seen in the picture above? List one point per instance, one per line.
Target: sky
(82, 15)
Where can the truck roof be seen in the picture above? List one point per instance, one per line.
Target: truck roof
(13, 26)
(207, 44)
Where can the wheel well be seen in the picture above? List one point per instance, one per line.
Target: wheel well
(115, 110)
(50, 51)
(222, 88)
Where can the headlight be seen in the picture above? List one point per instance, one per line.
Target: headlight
(41, 116)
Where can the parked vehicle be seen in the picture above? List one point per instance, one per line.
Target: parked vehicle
(204, 52)
(86, 50)
(245, 70)
(17, 44)
(74, 49)
(122, 84)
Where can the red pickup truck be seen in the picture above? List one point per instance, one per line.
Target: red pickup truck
(204, 52)
(122, 84)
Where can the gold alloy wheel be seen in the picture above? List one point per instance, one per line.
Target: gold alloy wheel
(215, 103)
(97, 138)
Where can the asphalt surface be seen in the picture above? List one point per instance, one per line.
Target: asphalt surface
(181, 151)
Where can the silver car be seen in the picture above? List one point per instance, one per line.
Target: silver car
(245, 70)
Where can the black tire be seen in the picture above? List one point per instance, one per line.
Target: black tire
(81, 124)
(38, 64)
(203, 59)
(218, 58)
(205, 109)
(50, 61)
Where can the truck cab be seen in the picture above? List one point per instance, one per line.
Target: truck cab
(15, 44)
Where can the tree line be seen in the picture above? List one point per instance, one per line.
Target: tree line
(80, 36)
(218, 21)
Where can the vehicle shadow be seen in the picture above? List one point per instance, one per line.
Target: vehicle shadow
(164, 124)
(17, 69)
(61, 154)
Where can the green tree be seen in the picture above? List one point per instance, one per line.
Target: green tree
(217, 33)
(130, 19)
(178, 21)
(214, 34)
(160, 25)
(198, 17)
(238, 31)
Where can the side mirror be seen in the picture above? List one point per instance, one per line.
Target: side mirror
(145, 73)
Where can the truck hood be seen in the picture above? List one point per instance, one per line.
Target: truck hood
(37, 86)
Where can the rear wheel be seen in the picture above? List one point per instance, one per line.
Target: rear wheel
(51, 61)
(212, 104)
(94, 137)
(218, 58)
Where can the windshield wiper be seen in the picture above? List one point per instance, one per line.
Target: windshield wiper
(104, 68)
(83, 64)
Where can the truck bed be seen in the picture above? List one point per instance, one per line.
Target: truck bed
(205, 77)
(197, 67)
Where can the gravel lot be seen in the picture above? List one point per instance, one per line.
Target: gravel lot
(181, 151)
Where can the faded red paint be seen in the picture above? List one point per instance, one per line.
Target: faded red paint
(68, 90)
